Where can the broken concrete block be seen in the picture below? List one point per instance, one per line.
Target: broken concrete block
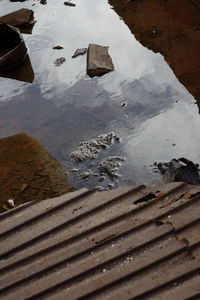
(99, 61)
(19, 17)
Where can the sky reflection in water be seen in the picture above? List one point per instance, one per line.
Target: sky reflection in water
(63, 106)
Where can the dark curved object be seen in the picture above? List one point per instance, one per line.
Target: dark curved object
(12, 47)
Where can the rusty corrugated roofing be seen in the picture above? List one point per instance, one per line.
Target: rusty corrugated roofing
(130, 243)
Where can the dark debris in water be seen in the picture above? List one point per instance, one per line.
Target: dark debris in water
(58, 47)
(78, 52)
(68, 3)
(181, 169)
(59, 61)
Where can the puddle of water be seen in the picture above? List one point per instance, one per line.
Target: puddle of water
(63, 106)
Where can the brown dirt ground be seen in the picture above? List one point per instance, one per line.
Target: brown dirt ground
(177, 25)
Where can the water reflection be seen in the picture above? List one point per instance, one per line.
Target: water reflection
(63, 106)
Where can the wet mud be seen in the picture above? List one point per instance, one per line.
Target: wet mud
(28, 172)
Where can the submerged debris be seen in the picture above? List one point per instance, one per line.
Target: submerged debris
(180, 169)
(86, 174)
(110, 185)
(111, 165)
(123, 104)
(99, 188)
(74, 170)
(59, 61)
(89, 149)
(79, 52)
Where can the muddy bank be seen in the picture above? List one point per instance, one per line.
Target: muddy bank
(28, 172)
(171, 28)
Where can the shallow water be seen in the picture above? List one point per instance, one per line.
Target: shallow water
(63, 106)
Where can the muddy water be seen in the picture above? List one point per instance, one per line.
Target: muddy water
(63, 106)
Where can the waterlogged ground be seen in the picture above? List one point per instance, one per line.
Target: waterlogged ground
(142, 101)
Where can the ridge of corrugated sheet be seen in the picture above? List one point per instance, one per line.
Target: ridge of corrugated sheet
(134, 242)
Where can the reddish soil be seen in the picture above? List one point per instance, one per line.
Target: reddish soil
(171, 27)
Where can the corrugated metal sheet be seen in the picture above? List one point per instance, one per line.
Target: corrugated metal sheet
(130, 243)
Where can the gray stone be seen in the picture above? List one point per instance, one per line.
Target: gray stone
(99, 61)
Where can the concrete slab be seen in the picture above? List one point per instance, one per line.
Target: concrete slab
(99, 61)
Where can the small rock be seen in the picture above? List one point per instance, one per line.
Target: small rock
(57, 47)
(69, 3)
(74, 170)
(59, 61)
(43, 2)
(95, 174)
(110, 185)
(123, 104)
(117, 138)
(99, 188)
(86, 174)
(11, 202)
(79, 52)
